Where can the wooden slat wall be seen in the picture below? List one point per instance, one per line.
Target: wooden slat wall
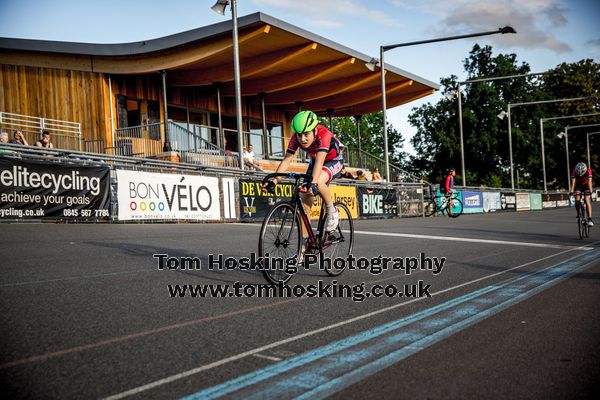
(67, 95)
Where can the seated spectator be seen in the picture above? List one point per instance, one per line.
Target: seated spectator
(249, 159)
(45, 141)
(377, 175)
(19, 138)
(345, 174)
(3, 137)
(360, 175)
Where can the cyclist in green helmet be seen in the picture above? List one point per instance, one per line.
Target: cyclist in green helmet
(326, 161)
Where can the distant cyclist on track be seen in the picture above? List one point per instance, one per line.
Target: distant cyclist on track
(581, 182)
(326, 162)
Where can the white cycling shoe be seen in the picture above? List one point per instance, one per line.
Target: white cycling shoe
(332, 221)
(590, 223)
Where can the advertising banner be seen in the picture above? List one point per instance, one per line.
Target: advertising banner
(547, 201)
(561, 199)
(49, 190)
(256, 202)
(508, 201)
(472, 202)
(377, 202)
(410, 201)
(147, 196)
(491, 201)
(523, 202)
(535, 200)
(345, 194)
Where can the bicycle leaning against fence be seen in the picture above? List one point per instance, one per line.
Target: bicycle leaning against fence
(582, 221)
(450, 205)
(281, 232)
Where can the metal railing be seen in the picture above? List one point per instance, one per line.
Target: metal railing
(65, 134)
(195, 139)
(361, 159)
(137, 141)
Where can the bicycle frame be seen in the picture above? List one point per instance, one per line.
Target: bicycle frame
(315, 240)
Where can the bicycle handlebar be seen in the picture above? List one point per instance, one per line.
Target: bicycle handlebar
(586, 193)
(292, 175)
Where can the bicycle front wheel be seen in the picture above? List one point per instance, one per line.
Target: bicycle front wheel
(280, 239)
(430, 207)
(337, 245)
(454, 208)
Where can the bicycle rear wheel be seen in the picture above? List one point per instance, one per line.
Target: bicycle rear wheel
(454, 208)
(338, 244)
(281, 238)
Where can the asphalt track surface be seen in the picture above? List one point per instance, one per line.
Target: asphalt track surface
(86, 313)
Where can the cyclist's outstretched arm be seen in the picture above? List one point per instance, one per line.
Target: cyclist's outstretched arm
(572, 185)
(283, 165)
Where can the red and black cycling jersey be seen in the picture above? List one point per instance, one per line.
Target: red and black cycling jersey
(584, 179)
(325, 141)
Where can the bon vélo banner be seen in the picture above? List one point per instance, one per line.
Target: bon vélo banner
(377, 202)
(148, 195)
(31, 189)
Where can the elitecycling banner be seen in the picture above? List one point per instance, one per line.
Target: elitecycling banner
(256, 202)
(508, 201)
(472, 202)
(147, 196)
(377, 202)
(49, 190)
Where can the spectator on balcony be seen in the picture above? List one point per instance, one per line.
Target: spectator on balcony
(19, 138)
(377, 175)
(345, 174)
(3, 137)
(250, 160)
(360, 175)
(45, 141)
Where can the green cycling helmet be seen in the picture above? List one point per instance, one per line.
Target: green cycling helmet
(304, 121)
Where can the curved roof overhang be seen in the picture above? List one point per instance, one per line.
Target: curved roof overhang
(283, 63)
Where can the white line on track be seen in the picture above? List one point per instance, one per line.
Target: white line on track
(472, 240)
(267, 357)
(460, 239)
(257, 350)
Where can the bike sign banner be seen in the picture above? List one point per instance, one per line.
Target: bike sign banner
(49, 190)
(256, 202)
(377, 202)
(147, 195)
(472, 202)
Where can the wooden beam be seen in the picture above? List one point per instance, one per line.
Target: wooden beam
(255, 64)
(375, 105)
(359, 96)
(301, 76)
(173, 57)
(322, 90)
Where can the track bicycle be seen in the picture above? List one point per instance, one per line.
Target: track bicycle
(582, 223)
(281, 233)
(450, 205)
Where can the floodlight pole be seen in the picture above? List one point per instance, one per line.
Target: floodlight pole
(383, 49)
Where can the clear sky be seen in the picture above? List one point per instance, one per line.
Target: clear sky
(549, 31)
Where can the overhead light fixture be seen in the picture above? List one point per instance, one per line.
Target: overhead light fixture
(220, 6)
(451, 94)
(502, 115)
(372, 64)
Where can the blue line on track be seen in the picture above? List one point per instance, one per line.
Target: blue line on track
(328, 369)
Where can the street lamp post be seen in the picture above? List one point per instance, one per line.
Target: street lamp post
(565, 134)
(383, 49)
(507, 114)
(219, 8)
(542, 120)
